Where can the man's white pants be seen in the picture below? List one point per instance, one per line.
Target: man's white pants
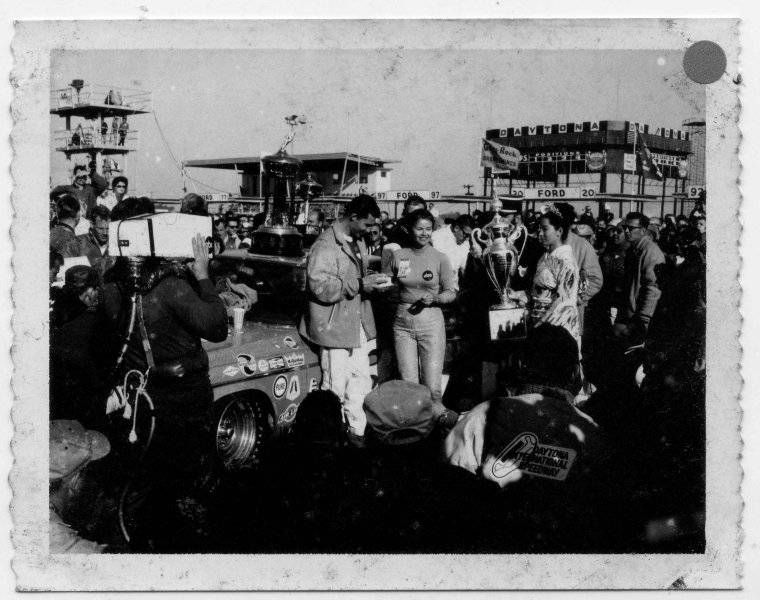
(345, 371)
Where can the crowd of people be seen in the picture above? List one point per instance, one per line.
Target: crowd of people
(611, 372)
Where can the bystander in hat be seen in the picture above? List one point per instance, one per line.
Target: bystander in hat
(72, 447)
(399, 412)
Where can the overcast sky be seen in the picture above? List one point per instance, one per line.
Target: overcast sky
(425, 108)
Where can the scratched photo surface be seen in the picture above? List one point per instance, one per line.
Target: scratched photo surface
(632, 483)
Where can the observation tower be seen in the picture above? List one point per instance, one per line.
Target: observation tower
(98, 124)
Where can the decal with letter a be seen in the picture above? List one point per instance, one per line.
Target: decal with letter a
(294, 387)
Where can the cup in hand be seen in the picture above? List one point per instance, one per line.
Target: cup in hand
(238, 316)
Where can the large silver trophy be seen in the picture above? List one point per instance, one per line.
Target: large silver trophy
(507, 318)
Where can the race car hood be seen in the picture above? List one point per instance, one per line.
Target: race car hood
(260, 349)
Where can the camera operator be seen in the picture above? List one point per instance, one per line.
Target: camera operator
(177, 311)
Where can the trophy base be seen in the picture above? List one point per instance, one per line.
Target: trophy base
(509, 323)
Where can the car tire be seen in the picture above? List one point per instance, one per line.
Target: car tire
(241, 427)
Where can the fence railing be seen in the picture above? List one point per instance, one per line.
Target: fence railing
(93, 138)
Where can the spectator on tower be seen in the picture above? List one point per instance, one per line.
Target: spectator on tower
(110, 198)
(123, 129)
(63, 237)
(104, 130)
(114, 129)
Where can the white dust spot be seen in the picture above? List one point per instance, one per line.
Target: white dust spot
(661, 61)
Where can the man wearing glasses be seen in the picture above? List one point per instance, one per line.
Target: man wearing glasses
(110, 198)
(86, 188)
(640, 287)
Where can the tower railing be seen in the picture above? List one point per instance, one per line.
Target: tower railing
(100, 95)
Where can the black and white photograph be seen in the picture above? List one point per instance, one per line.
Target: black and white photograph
(375, 305)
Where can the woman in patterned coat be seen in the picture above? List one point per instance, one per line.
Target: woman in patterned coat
(555, 285)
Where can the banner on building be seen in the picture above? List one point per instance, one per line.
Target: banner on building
(648, 166)
(629, 162)
(683, 168)
(499, 157)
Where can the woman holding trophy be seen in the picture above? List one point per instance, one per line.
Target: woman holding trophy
(426, 280)
(554, 293)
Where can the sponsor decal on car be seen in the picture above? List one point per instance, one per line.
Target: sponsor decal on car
(263, 366)
(294, 387)
(280, 386)
(231, 371)
(296, 359)
(290, 342)
(277, 363)
(288, 414)
(246, 363)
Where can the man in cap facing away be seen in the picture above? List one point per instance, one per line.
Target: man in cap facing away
(72, 448)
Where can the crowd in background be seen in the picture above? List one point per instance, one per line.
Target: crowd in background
(614, 354)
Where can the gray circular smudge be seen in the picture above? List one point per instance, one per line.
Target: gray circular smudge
(704, 62)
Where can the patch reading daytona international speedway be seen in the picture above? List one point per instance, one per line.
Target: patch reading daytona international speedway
(527, 454)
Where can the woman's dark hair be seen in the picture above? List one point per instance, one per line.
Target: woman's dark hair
(558, 220)
(193, 204)
(120, 179)
(132, 207)
(418, 215)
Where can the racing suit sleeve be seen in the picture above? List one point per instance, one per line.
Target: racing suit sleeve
(202, 312)
(324, 279)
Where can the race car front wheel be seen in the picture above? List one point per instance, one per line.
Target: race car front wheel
(241, 428)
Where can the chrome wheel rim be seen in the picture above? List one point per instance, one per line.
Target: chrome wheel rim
(236, 433)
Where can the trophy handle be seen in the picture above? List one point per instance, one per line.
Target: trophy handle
(477, 236)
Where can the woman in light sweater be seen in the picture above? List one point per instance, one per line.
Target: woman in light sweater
(425, 281)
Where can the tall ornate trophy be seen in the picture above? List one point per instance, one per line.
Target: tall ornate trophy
(508, 317)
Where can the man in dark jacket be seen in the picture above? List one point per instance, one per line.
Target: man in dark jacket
(94, 244)
(641, 290)
(178, 311)
(63, 237)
